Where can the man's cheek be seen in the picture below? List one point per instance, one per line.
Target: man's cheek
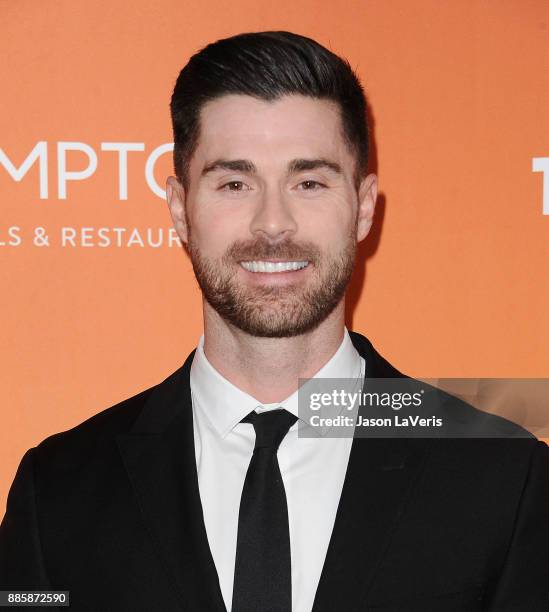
(211, 236)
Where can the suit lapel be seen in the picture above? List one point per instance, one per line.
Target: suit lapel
(159, 457)
(380, 477)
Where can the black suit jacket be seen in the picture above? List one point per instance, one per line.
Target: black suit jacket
(110, 510)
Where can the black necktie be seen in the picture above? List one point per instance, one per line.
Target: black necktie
(262, 575)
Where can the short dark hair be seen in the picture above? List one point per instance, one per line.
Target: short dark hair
(266, 65)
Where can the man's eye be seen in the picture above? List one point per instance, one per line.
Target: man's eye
(234, 186)
(311, 185)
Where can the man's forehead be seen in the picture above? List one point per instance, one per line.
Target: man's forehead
(286, 118)
(235, 127)
(228, 103)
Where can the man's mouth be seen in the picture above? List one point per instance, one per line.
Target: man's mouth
(271, 267)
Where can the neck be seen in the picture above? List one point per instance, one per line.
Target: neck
(268, 368)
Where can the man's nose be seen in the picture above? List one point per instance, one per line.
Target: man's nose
(273, 216)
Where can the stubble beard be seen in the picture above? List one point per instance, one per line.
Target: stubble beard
(275, 311)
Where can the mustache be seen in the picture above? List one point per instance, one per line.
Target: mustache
(263, 249)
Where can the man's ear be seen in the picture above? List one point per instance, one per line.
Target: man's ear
(175, 195)
(367, 196)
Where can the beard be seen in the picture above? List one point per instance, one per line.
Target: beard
(275, 311)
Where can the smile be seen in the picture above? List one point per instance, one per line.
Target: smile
(271, 267)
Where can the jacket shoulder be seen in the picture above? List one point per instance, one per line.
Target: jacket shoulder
(99, 429)
(461, 418)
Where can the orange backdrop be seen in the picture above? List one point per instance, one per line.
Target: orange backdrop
(455, 270)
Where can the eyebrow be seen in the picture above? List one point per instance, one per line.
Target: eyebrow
(296, 165)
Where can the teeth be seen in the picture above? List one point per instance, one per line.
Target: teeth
(270, 267)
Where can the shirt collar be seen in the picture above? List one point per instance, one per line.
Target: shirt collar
(225, 405)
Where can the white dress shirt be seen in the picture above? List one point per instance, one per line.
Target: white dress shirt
(313, 470)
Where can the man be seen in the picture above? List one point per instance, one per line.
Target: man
(198, 494)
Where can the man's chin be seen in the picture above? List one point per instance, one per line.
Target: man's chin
(283, 320)
(266, 329)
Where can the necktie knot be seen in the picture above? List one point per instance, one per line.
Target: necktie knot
(270, 427)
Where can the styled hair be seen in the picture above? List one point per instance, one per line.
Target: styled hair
(267, 66)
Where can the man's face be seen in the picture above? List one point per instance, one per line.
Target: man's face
(271, 217)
